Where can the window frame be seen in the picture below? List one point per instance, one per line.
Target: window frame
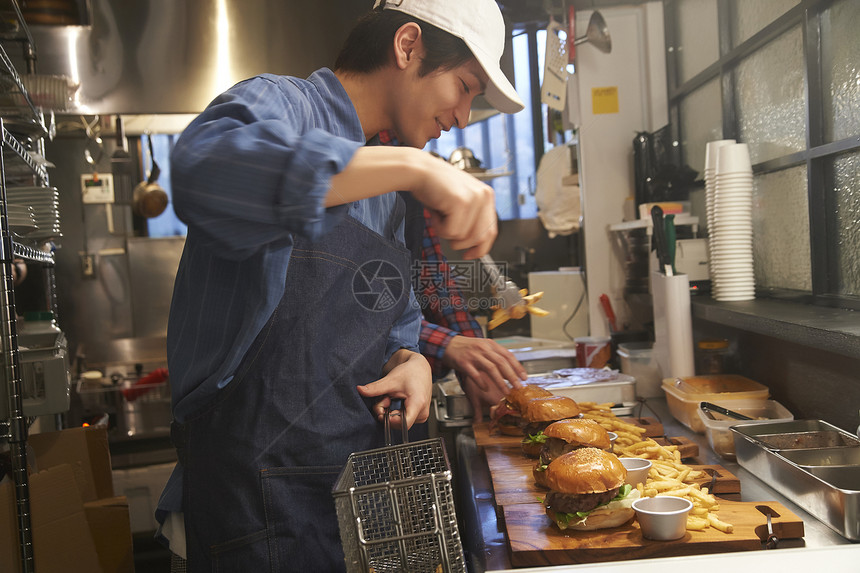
(818, 154)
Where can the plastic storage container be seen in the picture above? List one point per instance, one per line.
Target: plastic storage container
(637, 360)
(684, 394)
(710, 356)
(619, 390)
(719, 432)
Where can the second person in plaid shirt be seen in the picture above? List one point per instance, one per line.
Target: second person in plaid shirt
(450, 336)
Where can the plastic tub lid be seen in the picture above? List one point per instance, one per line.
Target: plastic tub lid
(628, 349)
(713, 384)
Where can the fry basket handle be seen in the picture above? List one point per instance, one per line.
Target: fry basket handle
(396, 404)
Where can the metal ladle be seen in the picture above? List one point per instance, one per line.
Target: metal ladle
(596, 34)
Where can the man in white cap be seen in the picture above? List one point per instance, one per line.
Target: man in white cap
(292, 324)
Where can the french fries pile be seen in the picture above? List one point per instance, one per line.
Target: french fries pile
(667, 476)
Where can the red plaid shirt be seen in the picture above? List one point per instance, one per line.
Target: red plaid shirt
(445, 311)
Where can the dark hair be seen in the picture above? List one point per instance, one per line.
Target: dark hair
(368, 46)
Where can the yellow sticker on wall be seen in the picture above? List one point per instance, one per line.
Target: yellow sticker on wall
(604, 100)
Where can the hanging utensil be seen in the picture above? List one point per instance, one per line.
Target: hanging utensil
(149, 199)
(597, 34)
(122, 166)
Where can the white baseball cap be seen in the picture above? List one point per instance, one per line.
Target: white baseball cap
(480, 25)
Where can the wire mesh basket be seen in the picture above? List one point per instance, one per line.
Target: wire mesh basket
(395, 510)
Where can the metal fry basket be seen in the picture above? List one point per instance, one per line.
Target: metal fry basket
(395, 510)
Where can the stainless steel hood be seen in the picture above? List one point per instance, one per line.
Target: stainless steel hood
(174, 56)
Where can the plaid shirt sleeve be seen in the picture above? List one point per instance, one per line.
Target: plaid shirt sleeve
(442, 305)
(445, 312)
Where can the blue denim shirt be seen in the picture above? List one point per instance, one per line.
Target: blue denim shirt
(250, 171)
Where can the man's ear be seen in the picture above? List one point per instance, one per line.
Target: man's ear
(407, 44)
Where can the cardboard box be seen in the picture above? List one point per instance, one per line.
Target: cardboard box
(77, 523)
(86, 449)
(111, 531)
(62, 541)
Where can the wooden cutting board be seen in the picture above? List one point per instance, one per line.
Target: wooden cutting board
(688, 448)
(652, 426)
(484, 437)
(534, 541)
(513, 481)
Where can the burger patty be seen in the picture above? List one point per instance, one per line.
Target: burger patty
(534, 427)
(508, 420)
(554, 447)
(572, 502)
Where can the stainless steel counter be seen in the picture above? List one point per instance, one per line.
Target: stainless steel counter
(485, 544)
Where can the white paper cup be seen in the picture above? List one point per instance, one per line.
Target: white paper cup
(711, 152)
(662, 518)
(733, 158)
(637, 470)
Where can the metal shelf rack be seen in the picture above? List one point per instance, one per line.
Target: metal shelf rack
(19, 162)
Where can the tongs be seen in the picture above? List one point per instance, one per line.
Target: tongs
(503, 288)
(707, 408)
(514, 302)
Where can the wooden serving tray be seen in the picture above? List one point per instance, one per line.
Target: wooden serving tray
(688, 448)
(534, 541)
(652, 426)
(513, 481)
(483, 435)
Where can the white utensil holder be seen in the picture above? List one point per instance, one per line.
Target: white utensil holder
(673, 325)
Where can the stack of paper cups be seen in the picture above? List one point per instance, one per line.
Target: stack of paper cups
(711, 152)
(673, 325)
(731, 234)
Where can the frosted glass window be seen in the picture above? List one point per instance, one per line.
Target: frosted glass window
(846, 183)
(781, 230)
(750, 16)
(701, 122)
(771, 95)
(698, 40)
(840, 46)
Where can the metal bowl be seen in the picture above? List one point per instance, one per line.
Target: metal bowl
(464, 158)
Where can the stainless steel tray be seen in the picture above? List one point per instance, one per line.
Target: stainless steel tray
(831, 493)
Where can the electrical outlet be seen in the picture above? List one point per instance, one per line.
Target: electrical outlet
(88, 266)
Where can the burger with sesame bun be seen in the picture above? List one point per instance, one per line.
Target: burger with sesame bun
(537, 414)
(505, 416)
(587, 491)
(568, 435)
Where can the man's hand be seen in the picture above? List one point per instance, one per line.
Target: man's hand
(408, 377)
(463, 209)
(485, 369)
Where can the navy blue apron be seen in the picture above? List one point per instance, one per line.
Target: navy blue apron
(260, 461)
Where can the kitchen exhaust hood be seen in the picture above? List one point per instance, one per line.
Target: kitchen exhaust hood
(167, 57)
